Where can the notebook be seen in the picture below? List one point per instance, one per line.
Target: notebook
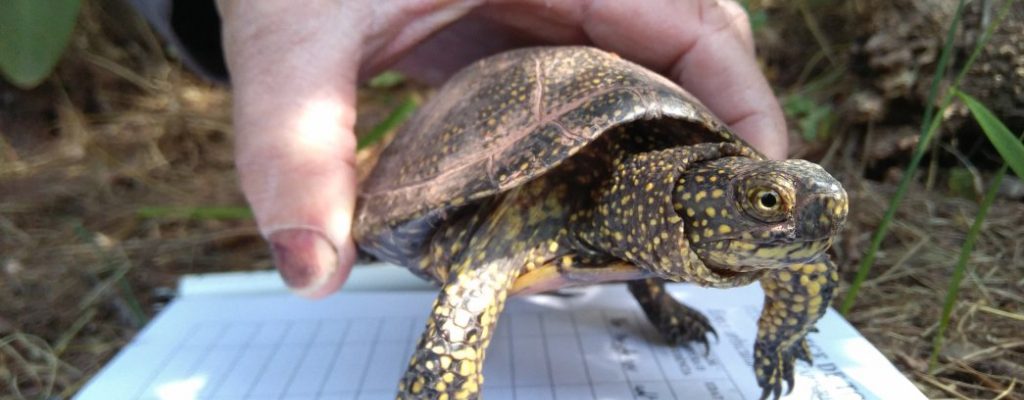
(244, 336)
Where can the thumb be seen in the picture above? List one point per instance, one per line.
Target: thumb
(293, 78)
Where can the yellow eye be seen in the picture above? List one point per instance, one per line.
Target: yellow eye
(766, 204)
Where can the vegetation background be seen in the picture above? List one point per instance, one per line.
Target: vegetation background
(116, 178)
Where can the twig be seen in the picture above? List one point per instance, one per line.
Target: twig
(980, 354)
(982, 377)
(889, 274)
(951, 389)
(65, 338)
(819, 35)
(1008, 391)
(120, 71)
(1001, 313)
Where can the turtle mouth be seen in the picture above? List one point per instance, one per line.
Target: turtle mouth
(738, 258)
(724, 272)
(802, 242)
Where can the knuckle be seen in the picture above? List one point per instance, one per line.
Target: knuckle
(734, 11)
(726, 16)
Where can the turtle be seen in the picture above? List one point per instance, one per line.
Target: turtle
(547, 167)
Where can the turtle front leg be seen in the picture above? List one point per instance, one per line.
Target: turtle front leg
(795, 298)
(676, 322)
(448, 361)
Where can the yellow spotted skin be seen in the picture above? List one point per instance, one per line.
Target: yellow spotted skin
(637, 214)
(542, 168)
(729, 227)
(520, 232)
(796, 297)
(678, 323)
(785, 242)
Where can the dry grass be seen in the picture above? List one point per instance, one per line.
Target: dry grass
(117, 128)
(120, 128)
(900, 305)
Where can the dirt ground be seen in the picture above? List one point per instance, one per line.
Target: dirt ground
(116, 178)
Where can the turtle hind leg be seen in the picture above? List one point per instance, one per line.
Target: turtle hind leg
(678, 323)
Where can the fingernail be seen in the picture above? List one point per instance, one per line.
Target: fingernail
(304, 258)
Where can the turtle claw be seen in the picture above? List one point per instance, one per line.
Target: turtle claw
(701, 338)
(678, 324)
(804, 352)
(777, 366)
(771, 390)
(704, 339)
(685, 326)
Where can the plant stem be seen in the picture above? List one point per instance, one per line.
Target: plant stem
(961, 265)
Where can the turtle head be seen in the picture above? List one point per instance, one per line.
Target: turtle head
(742, 214)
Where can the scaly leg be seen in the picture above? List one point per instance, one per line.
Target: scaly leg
(795, 298)
(518, 234)
(677, 322)
(448, 362)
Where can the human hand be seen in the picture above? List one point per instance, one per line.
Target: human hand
(294, 71)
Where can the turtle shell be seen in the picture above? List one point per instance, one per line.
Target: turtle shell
(501, 122)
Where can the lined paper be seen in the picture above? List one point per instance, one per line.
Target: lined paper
(591, 343)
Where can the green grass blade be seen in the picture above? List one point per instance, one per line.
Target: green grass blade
(132, 302)
(118, 266)
(940, 70)
(197, 213)
(386, 80)
(33, 35)
(928, 131)
(929, 125)
(1010, 148)
(1012, 151)
(394, 120)
(961, 266)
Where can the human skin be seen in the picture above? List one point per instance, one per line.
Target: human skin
(294, 72)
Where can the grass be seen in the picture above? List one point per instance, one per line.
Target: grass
(196, 213)
(1010, 148)
(116, 266)
(1012, 151)
(930, 125)
(395, 119)
(953, 292)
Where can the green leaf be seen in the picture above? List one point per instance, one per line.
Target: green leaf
(394, 120)
(386, 79)
(1011, 149)
(195, 213)
(757, 17)
(961, 182)
(33, 35)
(813, 118)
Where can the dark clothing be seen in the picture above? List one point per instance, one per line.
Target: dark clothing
(192, 28)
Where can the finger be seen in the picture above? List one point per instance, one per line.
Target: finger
(293, 80)
(706, 46)
(489, 29)
(470, 38)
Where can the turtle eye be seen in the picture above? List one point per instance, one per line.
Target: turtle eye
(765, 204)
(768, 200)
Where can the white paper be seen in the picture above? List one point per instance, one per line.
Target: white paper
(592, 344)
